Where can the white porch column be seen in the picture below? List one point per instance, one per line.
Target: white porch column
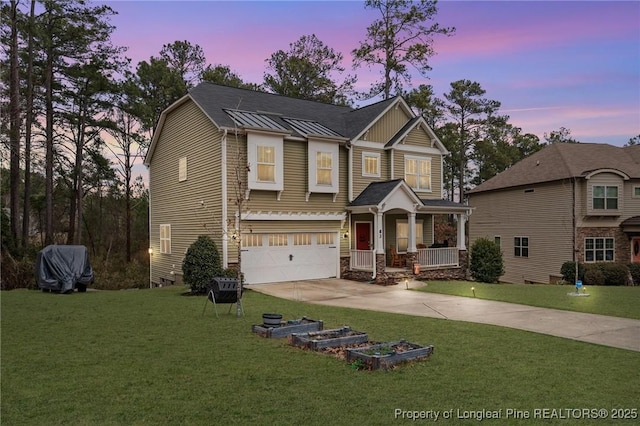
(411, 244)
(462, 218)
(379, 243)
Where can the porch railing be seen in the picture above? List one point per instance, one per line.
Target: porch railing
(362, 260)
(438, 257)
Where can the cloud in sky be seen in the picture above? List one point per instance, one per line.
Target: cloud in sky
(550, 64)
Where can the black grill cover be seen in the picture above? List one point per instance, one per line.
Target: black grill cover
(62, 268)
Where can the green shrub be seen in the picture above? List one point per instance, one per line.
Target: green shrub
(634, 269)
(486, 261)
(201, 264)
(568, 271)
(615, 273)
(608, 273)
(593, 276)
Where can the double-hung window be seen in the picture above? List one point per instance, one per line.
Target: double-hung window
(323, 164)
(402, 234)
(605, 197)
(599, 249)
(324, 168)
(370, 164)
(417, 173)
(521, 246)
(266, 163)
(265, 160)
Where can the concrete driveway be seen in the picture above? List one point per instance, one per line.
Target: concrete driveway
(603, 330)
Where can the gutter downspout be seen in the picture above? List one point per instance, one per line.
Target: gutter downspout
(574, 230)
(223, 180)
(150, 248)
(350, 171)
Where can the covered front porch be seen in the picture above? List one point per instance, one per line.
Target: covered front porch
(392, 234)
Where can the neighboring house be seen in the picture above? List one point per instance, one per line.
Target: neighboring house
(325, 190)
(567, 199)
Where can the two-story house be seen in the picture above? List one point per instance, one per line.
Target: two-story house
(569, 201)
(309, 190)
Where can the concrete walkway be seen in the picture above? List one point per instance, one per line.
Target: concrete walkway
(603, 330)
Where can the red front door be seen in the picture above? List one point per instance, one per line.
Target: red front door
(363, 236)
(635, 249)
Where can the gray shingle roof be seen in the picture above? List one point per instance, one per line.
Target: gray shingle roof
(564, 161)
(214, 99)
(375, 193)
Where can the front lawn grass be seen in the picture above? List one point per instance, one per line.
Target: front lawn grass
(150, 357)
(617, 301)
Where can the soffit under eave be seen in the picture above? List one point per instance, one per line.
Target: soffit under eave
(445, 209)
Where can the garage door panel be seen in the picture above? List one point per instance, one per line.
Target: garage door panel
(288, 263)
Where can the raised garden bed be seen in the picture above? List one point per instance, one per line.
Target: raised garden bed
(302, 325)
(383, 356)
(328, 338)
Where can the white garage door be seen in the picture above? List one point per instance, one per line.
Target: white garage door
(288, 257)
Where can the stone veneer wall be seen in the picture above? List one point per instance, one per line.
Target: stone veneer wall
(622, 245)
(385, 278)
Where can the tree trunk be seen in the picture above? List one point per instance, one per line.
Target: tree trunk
(462, 160)
(14, 124)
(49, 147)
(26, 206)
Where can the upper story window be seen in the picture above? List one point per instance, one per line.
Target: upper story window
(371, 164)
(417, 173)
(165, 239)
(605, 197)
(323, 167)
(182, 169)
(266, 161)
(636, 192)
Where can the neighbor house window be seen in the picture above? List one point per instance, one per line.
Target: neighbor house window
(402, 234)
(165, 239)
(324, 168)
(599, 249)
(417, 173)
(498, 241)
(521, 246)
(605, 197)
(636, 192)
(182, 169)
(266, 163)
(370, 164)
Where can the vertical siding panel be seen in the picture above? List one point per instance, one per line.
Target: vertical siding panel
(388, 125)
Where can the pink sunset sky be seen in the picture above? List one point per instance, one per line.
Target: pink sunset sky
(552, 64)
